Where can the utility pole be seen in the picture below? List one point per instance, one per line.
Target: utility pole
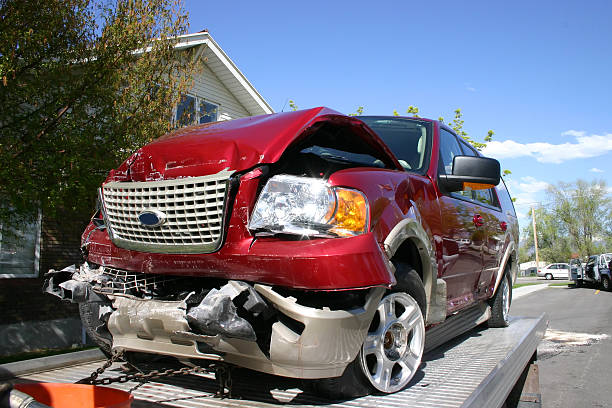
(535, 238)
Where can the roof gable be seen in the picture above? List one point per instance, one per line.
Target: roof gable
(226, 71)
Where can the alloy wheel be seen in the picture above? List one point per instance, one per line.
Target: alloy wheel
(505, 299)
(393, 348)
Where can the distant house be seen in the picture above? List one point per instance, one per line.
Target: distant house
(31, 320)
(530, 268)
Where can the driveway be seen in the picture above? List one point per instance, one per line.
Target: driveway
(576, 355)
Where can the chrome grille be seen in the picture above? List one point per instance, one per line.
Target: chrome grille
(193, 208)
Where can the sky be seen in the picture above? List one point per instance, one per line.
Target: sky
(538, 73)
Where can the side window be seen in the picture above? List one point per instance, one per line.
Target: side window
(504, 196)
(486, 197)
(449, 148)
(483, 196)
(467, 150)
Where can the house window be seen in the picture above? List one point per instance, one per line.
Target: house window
(192, 110)
(185, 111)
(20, 249)
(208, 111)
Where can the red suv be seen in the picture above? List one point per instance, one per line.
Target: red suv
(305, 244)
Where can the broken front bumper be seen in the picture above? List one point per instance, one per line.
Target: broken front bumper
(329, 341)
(294, 341)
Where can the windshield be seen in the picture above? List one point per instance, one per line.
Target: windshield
(408, 139)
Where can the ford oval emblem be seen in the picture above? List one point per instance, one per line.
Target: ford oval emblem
(151, 218)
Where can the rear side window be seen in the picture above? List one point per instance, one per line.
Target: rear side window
(504, 197)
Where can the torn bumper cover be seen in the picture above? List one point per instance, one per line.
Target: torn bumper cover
(320, 345)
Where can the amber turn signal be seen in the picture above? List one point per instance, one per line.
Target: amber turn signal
(351, 217)
(477, 186)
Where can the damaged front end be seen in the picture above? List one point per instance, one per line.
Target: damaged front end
(275, 330)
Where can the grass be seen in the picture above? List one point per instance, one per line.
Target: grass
(519, 285)
(40, 353)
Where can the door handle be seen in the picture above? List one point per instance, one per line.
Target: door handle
(478, 220)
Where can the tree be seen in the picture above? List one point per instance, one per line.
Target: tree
(584, 210)
(83, 83)
(553, 242)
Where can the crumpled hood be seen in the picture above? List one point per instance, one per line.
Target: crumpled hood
(236, 145)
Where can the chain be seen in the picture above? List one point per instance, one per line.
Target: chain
(144, 377)
(116, 356)
(223, 375)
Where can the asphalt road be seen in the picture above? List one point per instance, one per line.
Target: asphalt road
(575, 358)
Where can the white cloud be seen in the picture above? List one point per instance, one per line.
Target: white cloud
(574, 133)
(596, 170)
(470, 88)
(586, 146)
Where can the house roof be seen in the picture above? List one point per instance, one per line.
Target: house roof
(227, 72)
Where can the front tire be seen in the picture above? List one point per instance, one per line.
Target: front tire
(500, 304)
(391, 353)
(393, 348)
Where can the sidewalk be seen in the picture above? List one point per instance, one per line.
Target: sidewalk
(525, 290)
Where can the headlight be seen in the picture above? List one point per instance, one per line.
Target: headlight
(307, 206)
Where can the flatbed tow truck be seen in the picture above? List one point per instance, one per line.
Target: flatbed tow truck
(481, 368)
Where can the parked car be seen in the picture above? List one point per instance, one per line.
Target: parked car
(306, 244)
(555, 271)
(596, 271)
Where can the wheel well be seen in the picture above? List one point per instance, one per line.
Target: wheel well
(408, 253)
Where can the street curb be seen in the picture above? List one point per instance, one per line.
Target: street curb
(12, 370)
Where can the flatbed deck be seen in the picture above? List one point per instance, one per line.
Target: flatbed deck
(478, 369)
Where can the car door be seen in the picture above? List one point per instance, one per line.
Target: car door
(590, 269)
(490, 217)
(562, 271)
(462, 233)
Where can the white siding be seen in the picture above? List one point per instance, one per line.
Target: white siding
(208, 86)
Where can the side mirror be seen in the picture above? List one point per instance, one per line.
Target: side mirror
(471, 173)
